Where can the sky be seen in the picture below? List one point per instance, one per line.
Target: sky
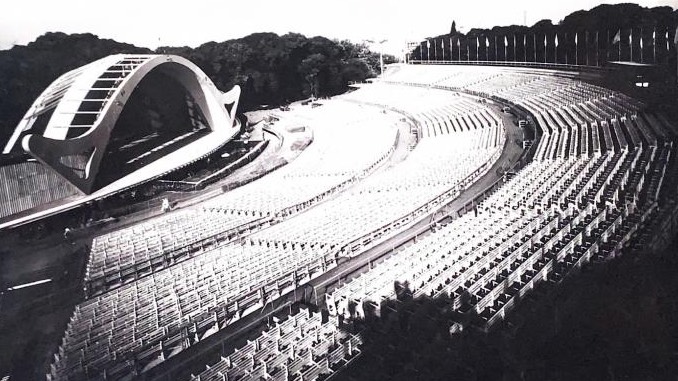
(151, 23)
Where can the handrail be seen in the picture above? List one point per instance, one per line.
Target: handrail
(537, 65)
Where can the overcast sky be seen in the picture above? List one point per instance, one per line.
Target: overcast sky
(151, 23)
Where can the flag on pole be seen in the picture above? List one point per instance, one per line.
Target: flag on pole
(576, 35)
(534, 46)
(617, 37)
(667, 39)
(545, 42)
(428, 44)
(597, 49)
(586, 46)
(505, 47)
(525, 47)
(631, 45)
(495, 47)
(487, 47)
(654, 45)
(641, 45)
(556, 40)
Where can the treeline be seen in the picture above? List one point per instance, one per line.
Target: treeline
(25, 71)
(271, 69)
(274, 69)
(606, 33)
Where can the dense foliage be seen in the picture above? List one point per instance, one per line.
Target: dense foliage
(276, 69)
(271, 69)
(614, 321)
(25, 71)
(595, 31)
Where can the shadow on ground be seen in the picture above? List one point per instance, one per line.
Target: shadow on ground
(616, 320)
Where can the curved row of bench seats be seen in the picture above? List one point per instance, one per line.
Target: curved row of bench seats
(570, 205)
(130, 253)
(302, 347)
(133, 328)
(558, 212)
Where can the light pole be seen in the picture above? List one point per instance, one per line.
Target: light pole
(381, 55)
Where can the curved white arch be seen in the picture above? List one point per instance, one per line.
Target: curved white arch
(105, 86)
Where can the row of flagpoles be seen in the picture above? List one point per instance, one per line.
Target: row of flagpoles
(616, 40)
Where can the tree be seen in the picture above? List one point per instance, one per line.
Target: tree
(310, 68)
(270, 69)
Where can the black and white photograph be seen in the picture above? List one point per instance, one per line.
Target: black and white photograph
(347, 190)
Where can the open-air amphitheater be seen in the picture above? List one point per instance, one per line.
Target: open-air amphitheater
(414, 184)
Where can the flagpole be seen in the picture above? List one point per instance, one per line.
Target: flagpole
(487, 47)
(607, 47)
(477, 46)
(544, 47)
(597, 50)
(450, 48)
(505, 47)
(641, 44)
(525, 47)
(495, 48)
(654, 46)
(566, 59)
(442, 46)
(458, 48)
(586, 45)
(668, 51)
(555, 54)
(428, 50)
(631, 44)
(514, 47)
(576, 48)
(534, 43)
